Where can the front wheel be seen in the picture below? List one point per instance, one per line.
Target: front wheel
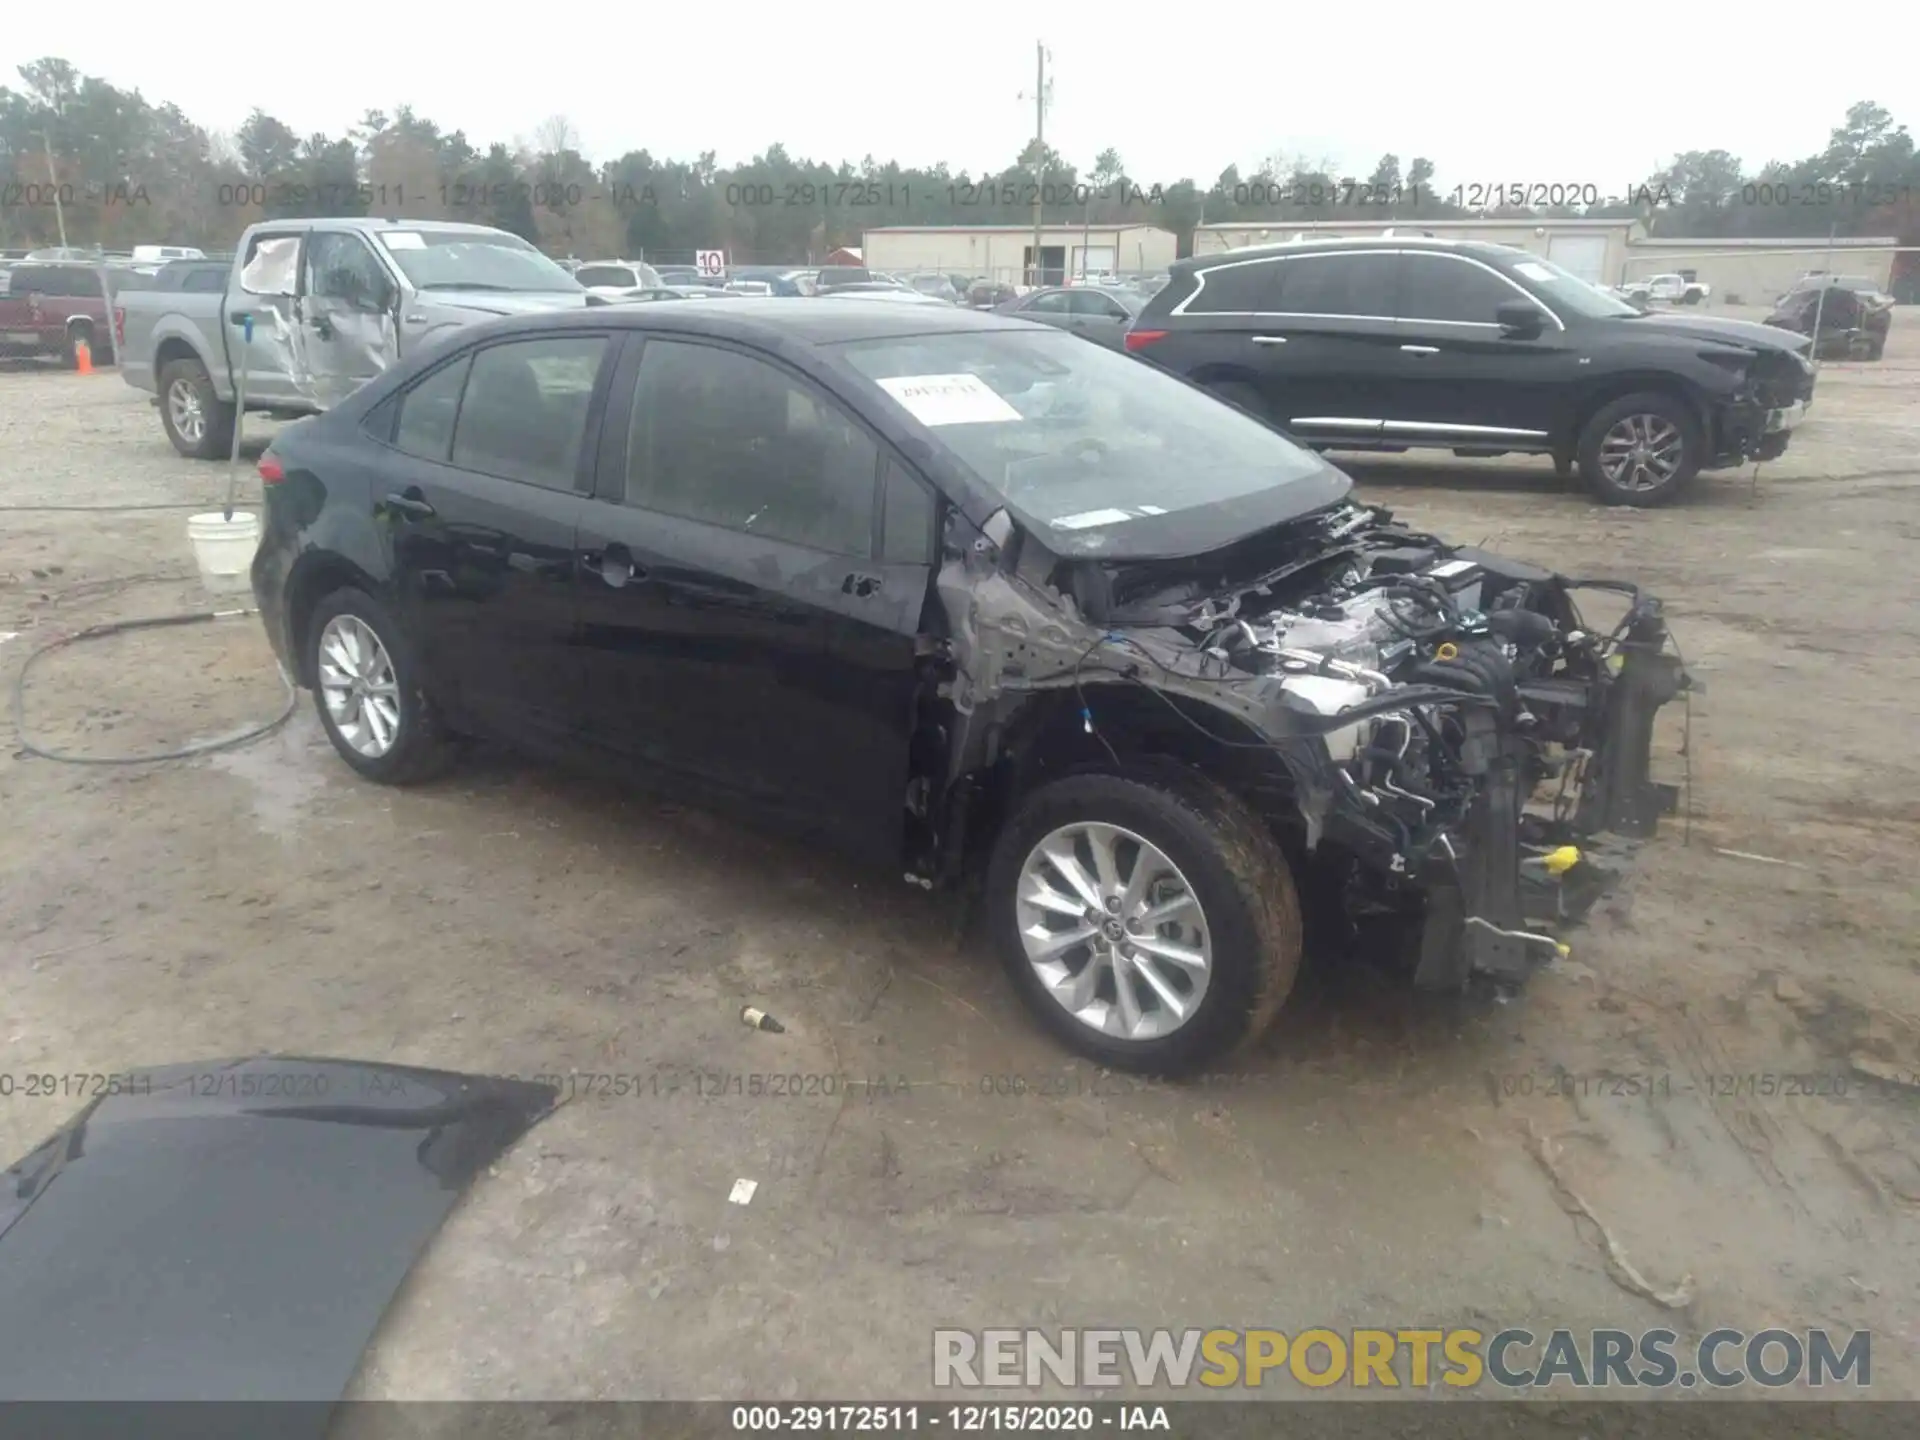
(1640, 450)
(1152, 927)
(367, 688)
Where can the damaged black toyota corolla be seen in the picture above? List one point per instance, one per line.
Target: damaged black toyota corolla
(985, 603)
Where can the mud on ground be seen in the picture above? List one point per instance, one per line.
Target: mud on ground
(1380, 1160)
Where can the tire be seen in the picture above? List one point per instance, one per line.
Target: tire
(420, 746)
(1228, 861)
(1657, 411)
(215, 440)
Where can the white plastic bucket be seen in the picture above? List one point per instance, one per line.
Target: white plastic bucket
(223, 548)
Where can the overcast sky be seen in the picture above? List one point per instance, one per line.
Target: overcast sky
(1522, 94)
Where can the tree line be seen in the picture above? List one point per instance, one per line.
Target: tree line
(108, 167)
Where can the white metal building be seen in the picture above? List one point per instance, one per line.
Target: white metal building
(1760, 271)
(1005, 252)
(1592, 249)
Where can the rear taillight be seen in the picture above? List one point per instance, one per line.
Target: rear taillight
(120, 325)
(271, 472)
(1140, 339)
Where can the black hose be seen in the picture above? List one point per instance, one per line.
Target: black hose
(106, 509)
(118, 627)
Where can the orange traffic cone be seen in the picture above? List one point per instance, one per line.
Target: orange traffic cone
(82, 357)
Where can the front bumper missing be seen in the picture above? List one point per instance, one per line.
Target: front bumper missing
(1783, 418)
(1516, 875)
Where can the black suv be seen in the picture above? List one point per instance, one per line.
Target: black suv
(1395, 343)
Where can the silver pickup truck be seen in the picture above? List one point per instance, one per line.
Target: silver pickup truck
(312, 309)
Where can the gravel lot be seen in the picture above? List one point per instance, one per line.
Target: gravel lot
(1374, 1163)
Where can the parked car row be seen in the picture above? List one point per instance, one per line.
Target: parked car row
(990, 607)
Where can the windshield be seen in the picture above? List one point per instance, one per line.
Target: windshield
(1567, 293)
(1111, 456)
(465, 260)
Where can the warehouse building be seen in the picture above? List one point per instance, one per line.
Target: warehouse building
(1005, 252)
(1753, 271)
(1759, 272)
(1595, 250)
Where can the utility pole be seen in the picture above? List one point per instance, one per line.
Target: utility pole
(53, 180)
(1039, 157)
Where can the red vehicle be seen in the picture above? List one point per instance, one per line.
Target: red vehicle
(50, 307)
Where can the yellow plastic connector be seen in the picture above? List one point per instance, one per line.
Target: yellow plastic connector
(1564, 948)
(1446, 650)
(1558, 862)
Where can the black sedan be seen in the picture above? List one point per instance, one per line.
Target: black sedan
(971, 599)
(1092, 312)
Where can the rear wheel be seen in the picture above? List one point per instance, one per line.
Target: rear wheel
(366, 686)
(1151, 927)
(197, 421)
(1641, 450)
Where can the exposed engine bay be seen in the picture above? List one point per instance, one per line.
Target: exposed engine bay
(1436, 730)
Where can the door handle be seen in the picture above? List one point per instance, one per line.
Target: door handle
(412, 506)
(1421, 349)
(860, 586)
(322, 327)
(1269, 339)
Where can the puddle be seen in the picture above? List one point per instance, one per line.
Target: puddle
(281, 777)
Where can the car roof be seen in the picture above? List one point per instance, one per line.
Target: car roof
(822, 321)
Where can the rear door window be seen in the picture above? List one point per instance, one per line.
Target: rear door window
(1348, 285)
(1054, 302)
(1450, 290)
(524, 412)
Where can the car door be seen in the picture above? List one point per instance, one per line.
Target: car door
(1317, 329)
(740, 622)
(265, 295)
(1458, 378)
(1098, 317)
(479, 496)
(347, 333)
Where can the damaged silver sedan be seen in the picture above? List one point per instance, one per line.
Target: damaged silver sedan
(1012, 612)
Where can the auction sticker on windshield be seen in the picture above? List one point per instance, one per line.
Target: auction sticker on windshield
(404, 239)
(948, 399)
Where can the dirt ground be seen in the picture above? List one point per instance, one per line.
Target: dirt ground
(1376, 1162)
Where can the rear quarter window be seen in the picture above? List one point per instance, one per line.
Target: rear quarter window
(1236, 288)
